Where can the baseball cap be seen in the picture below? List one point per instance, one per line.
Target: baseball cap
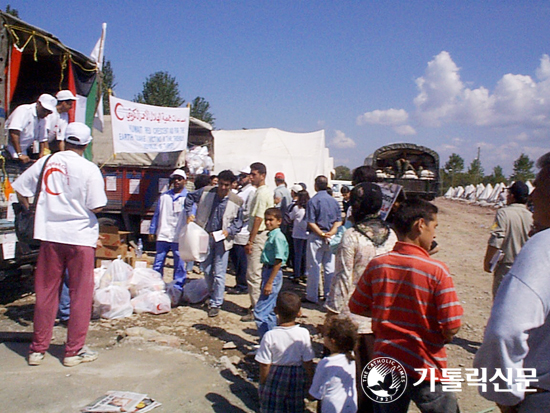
(296, 188)
(280, 175)
(246, 170)
(65, 95)
(179, 172)
(78, 133)
(48, 102)
(519, 189)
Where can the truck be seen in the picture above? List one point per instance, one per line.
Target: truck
(32, 62)
(414, 167)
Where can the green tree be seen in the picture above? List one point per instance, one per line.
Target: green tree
(200, 109)
(523, 169)
(452, 170)
(13, 12)
(496, 177)
(342, 173)
(160, 89)
(475, 172)
(108, 84)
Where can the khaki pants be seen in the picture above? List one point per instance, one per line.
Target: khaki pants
(500, 271)
(254, 269)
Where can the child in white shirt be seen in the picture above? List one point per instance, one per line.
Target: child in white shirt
(334, 380)
(285, 356)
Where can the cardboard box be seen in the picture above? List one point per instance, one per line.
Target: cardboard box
(111, 252)
(111, 236)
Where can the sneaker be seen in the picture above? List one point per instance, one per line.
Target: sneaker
(237, 291)
(213, 312)
(85, 355)
(249, 316)
(35, 359)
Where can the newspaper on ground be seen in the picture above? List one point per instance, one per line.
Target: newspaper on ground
(122, 401)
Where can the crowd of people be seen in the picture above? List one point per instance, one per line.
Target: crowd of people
(384, 294)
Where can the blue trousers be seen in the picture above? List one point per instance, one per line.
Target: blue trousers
(300, 248)
(64, 310)
(215, 267)
(180, 275)
(264, 311)
(240, 261)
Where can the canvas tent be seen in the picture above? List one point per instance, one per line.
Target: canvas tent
(300, 156)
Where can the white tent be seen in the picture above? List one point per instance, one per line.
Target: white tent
(300, 156)
(449, 192)
(486, 193)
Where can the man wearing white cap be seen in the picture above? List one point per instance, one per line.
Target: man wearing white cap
(164, 225)
(27, 125)
(57, 121)
(72, 192)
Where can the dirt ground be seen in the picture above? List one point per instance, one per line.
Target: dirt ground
(223, 342)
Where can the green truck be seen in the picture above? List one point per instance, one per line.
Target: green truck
(414, 167)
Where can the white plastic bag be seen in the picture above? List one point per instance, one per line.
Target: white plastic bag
(98, 274)
(195, 291)
(145, 280)
(117, 273)
(112, 302)
(193, 243)
(154, 302)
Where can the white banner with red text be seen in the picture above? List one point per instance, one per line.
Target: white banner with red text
(140, 128)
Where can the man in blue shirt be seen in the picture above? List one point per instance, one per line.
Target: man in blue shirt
(323, 217)
(219, 212)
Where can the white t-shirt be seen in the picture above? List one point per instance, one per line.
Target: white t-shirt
(56, 125)
(246, 194)
(285, 346)
(297, 215)
(170, 207)
(334, 384)
(31, 128)
(71, 188)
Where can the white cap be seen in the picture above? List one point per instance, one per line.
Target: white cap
(179, 172)
(48, 102)
(296, 188)
(65, 95)
(246, 170)
(78, 133)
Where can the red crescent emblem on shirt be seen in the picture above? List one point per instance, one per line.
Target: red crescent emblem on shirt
(47, 175)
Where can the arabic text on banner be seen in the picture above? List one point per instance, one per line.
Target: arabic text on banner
(139, 128)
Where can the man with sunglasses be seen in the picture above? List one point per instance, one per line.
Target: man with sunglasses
(164, 225)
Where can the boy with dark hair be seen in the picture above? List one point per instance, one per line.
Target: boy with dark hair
(414, 308)
(274, 256)
(285, 356)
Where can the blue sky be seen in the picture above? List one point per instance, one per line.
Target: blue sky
(450, 75)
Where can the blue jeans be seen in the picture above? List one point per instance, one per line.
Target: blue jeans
(215, 267)
(240, 261)
(264, 311)
(300, 246)
(64, 310)
(180, 275)
(318, 252)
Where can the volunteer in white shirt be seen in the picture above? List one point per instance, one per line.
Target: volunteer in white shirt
(72, 192)
(58, 121)
(165, 225)
(26, 125)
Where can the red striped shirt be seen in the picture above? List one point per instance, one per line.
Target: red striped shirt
(412, 300)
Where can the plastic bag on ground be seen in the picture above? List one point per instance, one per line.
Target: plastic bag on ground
(117, 273)
(174, 292)
(113, 302)
(193, 243)
(195, 291)
(145, 280)
(154, 302)
(98, 274)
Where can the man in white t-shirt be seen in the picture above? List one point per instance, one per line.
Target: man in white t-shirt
(27, 124)
(58, 121)
(72, 192)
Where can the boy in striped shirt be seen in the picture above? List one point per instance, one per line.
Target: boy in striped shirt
(414, 308)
